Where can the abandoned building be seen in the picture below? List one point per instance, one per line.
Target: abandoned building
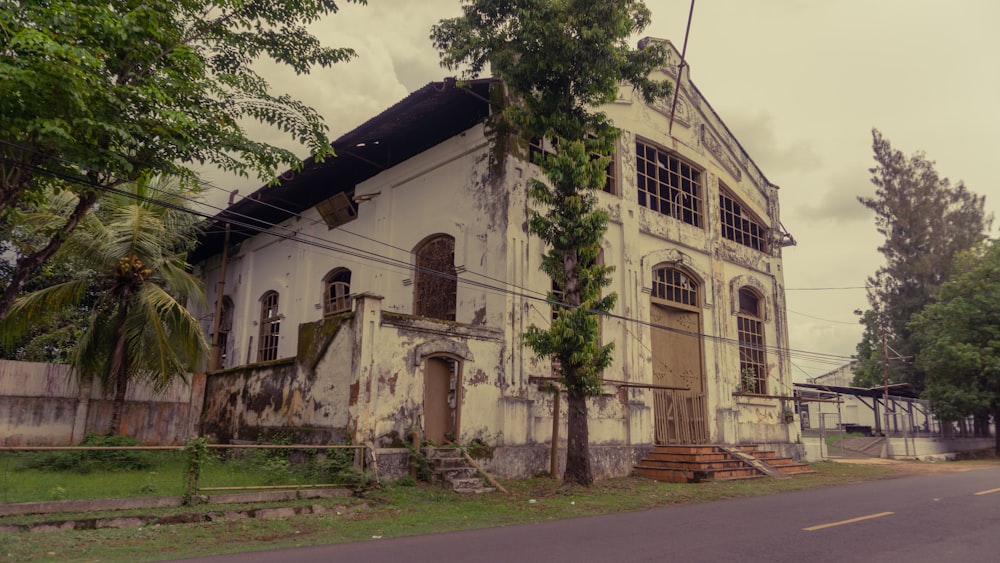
(385, 291)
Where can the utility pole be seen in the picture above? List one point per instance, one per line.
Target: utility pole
(886, 451)
(215, 359)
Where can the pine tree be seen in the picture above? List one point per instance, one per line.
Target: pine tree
(926, 222)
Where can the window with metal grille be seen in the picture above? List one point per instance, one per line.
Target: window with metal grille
(540, 148)
(750, 329)
(739, 225)
(675, 286)
(337, 292)
(270, 325)
(435, 282)
(668, 184)
(225, 327)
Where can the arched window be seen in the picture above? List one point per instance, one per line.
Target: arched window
(675, 287)
(270, 323)
(337, 292)
(435, 282)
(750, 328)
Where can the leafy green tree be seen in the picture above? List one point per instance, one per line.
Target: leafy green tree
(559, 60)
(52, 339)
(136, 245)
(959, 340)
(926, 222)
(97, 92)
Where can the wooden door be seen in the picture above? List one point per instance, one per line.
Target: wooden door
(680, 416)
(440, 399)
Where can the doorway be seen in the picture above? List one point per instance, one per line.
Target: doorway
(442, 398)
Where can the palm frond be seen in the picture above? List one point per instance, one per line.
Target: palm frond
(35, 308)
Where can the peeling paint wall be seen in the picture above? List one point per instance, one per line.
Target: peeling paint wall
(45, 405)
(304, 400)
(366, 380)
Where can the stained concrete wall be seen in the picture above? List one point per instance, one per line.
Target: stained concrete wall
(45, 405)
(451, 189)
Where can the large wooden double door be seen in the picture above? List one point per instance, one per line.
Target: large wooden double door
(679, 415)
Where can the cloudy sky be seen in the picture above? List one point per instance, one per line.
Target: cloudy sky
(801, 83)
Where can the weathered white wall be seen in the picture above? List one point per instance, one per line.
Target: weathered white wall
(449, 189)
(45, 405)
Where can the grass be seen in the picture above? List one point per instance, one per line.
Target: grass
(396, 511)
(36, 476)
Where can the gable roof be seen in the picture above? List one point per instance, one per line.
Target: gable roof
(423, 119)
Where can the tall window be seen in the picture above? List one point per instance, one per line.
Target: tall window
(750, 328)
(739, 225)
(435, 285)
(669, 185)
(270, 323)
(337, 292)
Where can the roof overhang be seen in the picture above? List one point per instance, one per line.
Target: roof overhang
(425, 118)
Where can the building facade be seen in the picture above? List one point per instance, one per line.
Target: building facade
(383, 292)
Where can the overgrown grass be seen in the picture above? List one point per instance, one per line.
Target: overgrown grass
(72, 475)
(395, 511)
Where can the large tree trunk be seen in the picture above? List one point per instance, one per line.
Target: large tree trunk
(578, 470)
(27, 265)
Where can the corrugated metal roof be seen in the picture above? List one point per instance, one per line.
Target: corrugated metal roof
(425, 118)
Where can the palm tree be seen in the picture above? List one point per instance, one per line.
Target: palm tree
(134, 244)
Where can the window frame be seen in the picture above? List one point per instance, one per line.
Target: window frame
(270, 327)
(652, 161)
(752, 343)
(435, 300)
(738, 223)
(342, 301)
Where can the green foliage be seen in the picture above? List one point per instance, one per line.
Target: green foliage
(196, 453)
(85, 461)
(558, 61)
(420, 463)
(926, 222)
(98, 92)
(959, 339)
(134, 283)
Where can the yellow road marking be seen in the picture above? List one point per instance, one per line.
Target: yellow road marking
(842, 522)
(988, 492)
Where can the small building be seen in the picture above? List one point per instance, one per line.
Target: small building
(385, 291)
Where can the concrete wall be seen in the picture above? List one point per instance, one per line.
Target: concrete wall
(451, 189)
(45, 405)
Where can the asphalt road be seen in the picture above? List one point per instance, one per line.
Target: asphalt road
(941, 518)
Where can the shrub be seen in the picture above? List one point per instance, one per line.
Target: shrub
(84, 461)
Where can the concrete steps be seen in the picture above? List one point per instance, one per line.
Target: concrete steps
(700, 463)
(449, 466)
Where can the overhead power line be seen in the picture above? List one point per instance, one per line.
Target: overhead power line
(287, 233)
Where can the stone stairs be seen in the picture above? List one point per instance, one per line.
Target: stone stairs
(700, 463)
(450, 467)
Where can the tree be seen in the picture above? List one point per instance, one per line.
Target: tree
(98, 92)
(52, 339)
(926, 222)
(136, 244)
(959, 340)
(558, 61)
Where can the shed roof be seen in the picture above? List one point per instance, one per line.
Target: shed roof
(423, 119)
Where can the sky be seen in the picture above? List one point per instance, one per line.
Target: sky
(800, 83)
